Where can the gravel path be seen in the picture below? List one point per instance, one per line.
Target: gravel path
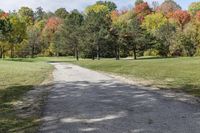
(84, 101)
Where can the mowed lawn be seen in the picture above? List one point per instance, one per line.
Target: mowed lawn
(16, 78)
(167, 73)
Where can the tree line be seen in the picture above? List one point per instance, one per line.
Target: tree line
(102, 31)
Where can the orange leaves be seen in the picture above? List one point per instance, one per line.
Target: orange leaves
(142, 8)
(181, 17)
(4, 15)
(114, 15)
(53, 23)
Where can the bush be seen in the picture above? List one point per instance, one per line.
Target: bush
(151, 52)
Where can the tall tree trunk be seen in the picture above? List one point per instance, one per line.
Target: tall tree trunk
(98, 53)
(134, 53)
(76, 53)
(3, 56)
(117, 51)
(11, 51)
(93, 55)
(1, 53)
(32, 51)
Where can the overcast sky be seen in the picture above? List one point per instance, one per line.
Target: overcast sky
(52, 5)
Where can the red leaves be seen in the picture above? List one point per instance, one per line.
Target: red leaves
(142, 8)
(182, 17)
(53, 23)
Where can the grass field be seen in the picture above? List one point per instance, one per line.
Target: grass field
(16, 78)
(171, 73)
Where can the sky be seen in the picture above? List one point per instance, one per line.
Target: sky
(52, 5)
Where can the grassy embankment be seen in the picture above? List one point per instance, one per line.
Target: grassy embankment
(171, 73)
(16, 78)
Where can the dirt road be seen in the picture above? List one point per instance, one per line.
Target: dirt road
(84, 101)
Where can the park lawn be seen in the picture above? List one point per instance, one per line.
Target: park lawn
(16, 78)
(167, 73)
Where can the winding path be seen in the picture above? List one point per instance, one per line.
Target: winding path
(85, 101)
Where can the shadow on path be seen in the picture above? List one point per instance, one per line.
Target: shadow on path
(108, 106)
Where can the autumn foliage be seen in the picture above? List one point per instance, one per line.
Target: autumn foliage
(142, 8)
(53, 24)
(114, 15)
(3, 15)
(181, 17)
(198, 16)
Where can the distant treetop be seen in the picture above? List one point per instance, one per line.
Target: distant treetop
(169, 6)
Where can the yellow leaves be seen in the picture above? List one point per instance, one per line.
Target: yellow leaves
(154, 21)
(97, 8)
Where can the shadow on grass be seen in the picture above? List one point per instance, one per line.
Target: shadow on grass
(9, 121)
(186, 88)
(61, 61)
(21, 59)
(155, 57)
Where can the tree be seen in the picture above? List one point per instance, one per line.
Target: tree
(194, 8)
(181, 17)
(133, 36)
(97, 25)
(141, 10)
(154, 21)
(39, 14)
(33, 38)
(164, 35)
(51, 26)
(61, 12)
(18, 33)
(97, 8)
(169, 6)
(137, 2)
(111, 5)
(27, 15)
(192, 31)
(5, 29)
(72, 31)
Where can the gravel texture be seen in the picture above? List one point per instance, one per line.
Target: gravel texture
(85, 101)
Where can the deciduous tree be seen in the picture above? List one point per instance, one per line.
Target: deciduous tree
(181, 17)
(194, 8)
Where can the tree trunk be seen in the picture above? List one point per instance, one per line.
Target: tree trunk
(0, 52)
(98, 53)
(76, 53)
(117, 52)
(134, 53)
(32, 51)
(93, 55)
(12, 51)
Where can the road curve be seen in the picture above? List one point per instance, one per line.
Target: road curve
(85, 101)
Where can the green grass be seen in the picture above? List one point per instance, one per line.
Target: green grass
(171, 73)
(16, 78)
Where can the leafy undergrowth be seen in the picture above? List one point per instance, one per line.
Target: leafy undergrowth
(16, 78)
(179, 74)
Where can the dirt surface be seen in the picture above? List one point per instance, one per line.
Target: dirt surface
(85, 101)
